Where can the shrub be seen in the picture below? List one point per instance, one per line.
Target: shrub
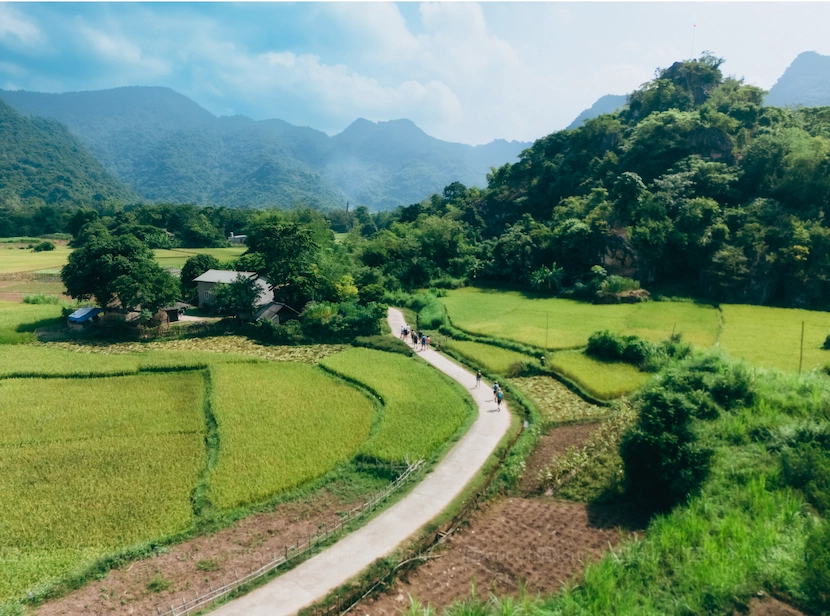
(663, 461)
(40, 298)
(290, 332)
(618, 284)
(43, 246)
(634, 350)
(344, 321)
(384, 343)
(826, 345)
(158, 583)
(806, 467)
(605, 345)
(817, 574)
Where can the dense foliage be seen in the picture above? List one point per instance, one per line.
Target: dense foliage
(694, 183)
(43, 167)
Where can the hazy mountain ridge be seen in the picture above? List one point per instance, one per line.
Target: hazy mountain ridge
(168, 148)
(806, 82)
(41, 162)
(604, 104)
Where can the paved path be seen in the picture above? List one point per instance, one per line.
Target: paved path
(314, 579)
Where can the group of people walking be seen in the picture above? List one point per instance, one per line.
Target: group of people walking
(498, 394)
(414, 337)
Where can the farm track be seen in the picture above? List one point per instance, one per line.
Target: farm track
(314, 579)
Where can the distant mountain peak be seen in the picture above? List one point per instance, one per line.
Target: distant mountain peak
(805, 82)
(604, 104)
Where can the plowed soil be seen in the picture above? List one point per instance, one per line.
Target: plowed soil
(539, 541)
(193, 566)
(770, 606)
(555, 443)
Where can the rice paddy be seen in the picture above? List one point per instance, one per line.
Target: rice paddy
(422, 409)
(280, 425)
(492, 359)
(91, 467)
(602, 380)
(567, 324)
(14, 259)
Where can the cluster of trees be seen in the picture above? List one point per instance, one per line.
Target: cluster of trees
(693, 183)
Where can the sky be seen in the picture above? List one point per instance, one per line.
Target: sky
(463, 72)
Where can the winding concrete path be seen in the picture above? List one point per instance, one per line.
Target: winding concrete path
(314, 579)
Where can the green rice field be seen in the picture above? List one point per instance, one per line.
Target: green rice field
(490, 358)
(176, 257)
(768, 337)
(27, 317)
(422, 409)
(602, 380)
(568, 323)
(281, 424)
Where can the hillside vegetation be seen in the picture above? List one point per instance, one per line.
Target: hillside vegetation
(41, 163)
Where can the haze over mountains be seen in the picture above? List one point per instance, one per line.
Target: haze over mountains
(167, 148)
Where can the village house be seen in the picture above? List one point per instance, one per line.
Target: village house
(211, 277)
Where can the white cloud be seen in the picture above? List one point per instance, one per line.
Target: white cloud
(15, 26)
(118, 50)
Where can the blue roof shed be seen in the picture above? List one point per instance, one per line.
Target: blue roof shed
(82, 315)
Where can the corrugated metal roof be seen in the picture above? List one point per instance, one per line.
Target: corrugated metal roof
(225, 276)
(84, 314)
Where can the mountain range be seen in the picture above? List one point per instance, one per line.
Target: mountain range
(167, 148)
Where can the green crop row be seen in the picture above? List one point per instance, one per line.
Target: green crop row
(421, 408)
(280, 425)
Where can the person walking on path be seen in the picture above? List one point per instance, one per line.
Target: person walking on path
(478, 379)
(496, 390)
(499, 398)
(427, 343)
(423, 341)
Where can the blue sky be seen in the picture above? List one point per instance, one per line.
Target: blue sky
(462, 71)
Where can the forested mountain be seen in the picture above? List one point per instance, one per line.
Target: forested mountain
(694, 184)
(605, 104)
(169, 149)
(806, 82)
(41, 163)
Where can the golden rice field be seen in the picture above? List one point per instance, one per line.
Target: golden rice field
(422, 408)
(92, 466)
(279, 426)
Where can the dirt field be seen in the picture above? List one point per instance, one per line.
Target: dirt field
(539, 541)
(555, 443)
(192, 566)
(770, 606)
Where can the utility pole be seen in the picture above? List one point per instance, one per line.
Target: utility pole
(547, 322)
(801, 356)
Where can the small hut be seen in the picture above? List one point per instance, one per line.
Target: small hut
(83, 318)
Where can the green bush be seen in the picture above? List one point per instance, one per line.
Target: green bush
(328, 322)
(40, 298)
(290, 332)
(618, 284)
(817, 574)
(806, 467)
(43, 246)
(826, 345)
(384, 343)
(634, 350)
(664, 463)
